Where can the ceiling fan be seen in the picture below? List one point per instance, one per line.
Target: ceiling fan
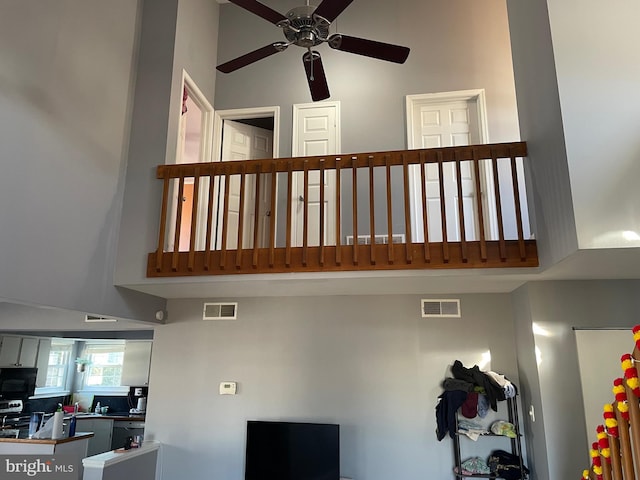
(308, 26)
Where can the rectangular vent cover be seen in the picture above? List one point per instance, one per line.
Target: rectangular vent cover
(95, 319)
(449, 308)
(220, 311)
(379, 239)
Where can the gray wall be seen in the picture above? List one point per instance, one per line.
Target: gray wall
(556, 308)
(66, 83)
(598, 66)
(534, 432)
(454, 46)
(370, 364)
(176, 35)
(541, 126)
(451, 49)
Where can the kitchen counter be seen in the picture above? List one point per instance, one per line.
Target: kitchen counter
(74, 449)
(23, 437)
(131, 417)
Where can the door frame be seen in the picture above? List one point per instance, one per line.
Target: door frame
(297, 108)
(206, 132)
(240, 114)
(478, 97)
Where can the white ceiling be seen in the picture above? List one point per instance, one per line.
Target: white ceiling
(584, 265)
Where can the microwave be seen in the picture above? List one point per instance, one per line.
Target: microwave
(17, 383)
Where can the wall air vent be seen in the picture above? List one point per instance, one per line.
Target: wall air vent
(379, 239)
(220, 311)
(447, 308)
(96, 319)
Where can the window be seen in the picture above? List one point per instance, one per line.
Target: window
(59, 358)
(105, 364)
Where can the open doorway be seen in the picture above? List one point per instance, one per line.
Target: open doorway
(193, 146)
(245, 134)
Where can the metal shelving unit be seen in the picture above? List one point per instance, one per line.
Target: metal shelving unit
(516, 445)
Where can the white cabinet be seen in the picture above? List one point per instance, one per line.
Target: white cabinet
(18, 351)
(137, 359)
(102, 429)
(42, 362)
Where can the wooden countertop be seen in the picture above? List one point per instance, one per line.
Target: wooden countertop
(50, 441)
(98, 416)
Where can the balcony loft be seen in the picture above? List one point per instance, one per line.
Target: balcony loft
(437, 208)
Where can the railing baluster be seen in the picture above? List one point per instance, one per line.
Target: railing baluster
(496, 185)
(354, 188)
(463, 233)
(225, 220)
(425, 206)
(443, 209)
(287, 257)
(239, 245)
(407, 208)
(207, 240)
(338, 210)
(272, 215)
(163, 221)
(625, 444)
(194, 220)
(305, 213)
(389, 210)
(176, 237)
(199, 254)
(516, 198)
(372, 218)
(256, 218)
(481, 226)
(321, 212)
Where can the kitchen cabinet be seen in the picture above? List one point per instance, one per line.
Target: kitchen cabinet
(102, 429)
(137, 360)
(42, 361)
(18, 351)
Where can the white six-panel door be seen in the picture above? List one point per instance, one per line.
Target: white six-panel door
(445, 120)
(315, 132)
(246, 142)
(447, 125)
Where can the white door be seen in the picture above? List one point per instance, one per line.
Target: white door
(193, 146)
(315, 132)
(246, 142)
(447, 122)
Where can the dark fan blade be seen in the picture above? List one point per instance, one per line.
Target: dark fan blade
(369, 48)
(261, 10)
(330, 9)
(315, 76)
(251, 57)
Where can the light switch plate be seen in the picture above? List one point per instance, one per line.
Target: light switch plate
(228, 388)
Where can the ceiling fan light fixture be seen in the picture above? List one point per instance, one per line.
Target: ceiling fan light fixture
(308, 26)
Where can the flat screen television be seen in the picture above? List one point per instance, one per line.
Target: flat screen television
(292, 451)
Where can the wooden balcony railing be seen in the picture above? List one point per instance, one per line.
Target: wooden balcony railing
(456, 207)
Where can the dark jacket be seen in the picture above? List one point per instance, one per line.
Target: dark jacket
(492, 390)
(448, 404)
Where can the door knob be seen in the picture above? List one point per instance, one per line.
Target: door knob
(301, 198)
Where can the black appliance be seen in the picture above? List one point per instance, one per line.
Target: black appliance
(17, 383)
(292, 451)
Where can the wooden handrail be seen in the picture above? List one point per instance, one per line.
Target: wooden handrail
(211, 249)
(361, 160)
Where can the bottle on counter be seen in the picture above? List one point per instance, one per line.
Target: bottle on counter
(98, 407)
(72, 426)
